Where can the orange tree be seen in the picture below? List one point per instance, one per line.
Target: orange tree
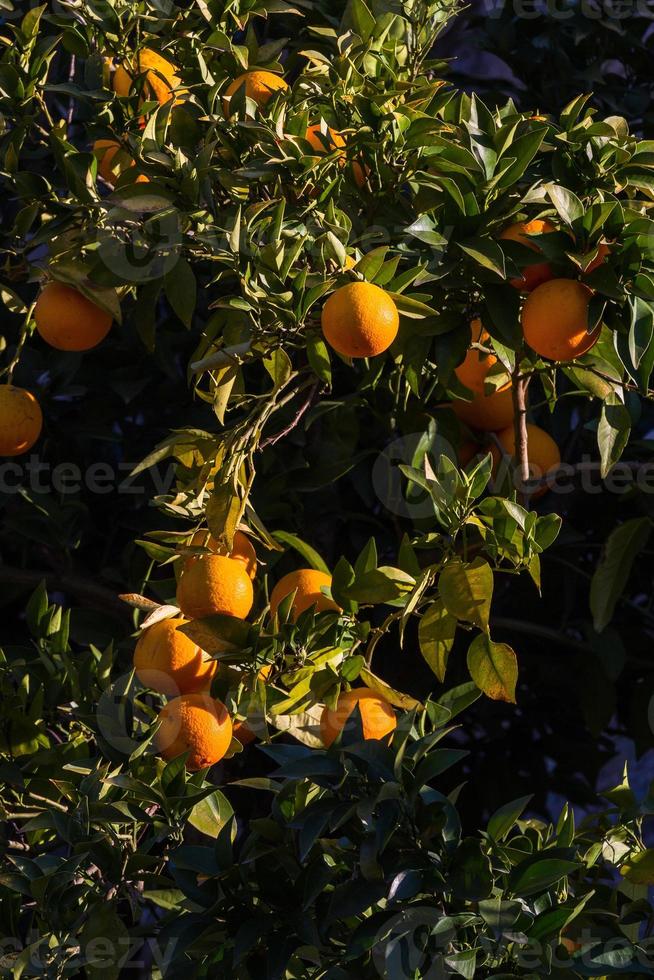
(381, 295)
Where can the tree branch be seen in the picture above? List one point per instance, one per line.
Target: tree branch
(519, 389)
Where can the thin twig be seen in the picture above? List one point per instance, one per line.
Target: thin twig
(271, 440)
(71, 100)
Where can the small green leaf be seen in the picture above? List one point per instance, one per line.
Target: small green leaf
(504, 819)
(181, 290)
(612, 432)
(467, 589)
(494, 668)
(639, 868)
(436, 637)
(210, 815)
(612, 572)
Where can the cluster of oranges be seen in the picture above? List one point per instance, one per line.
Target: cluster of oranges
(68, 321)
(168, 661)
(555, 325)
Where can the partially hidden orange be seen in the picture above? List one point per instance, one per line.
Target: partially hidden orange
(378, 719)
(168, 661)
(308, 585)
(555, 320)
(68, 320)
(21, 420)
(520, 231)
(197, 724)
(215, 585)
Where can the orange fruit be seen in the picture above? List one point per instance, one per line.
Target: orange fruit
(532, 275)
(260, 86)
(603, 251)
(486, 412)
(243, 549)
(542, 452)
(197, 724)
(332, 140)
(21, 420)
(377, 716)
(555, 320)
(360, 320)
(161, 77)
(324, 142)
(215, 585)
(168, 661)
(473, 370)
(113, 160)
(67, 320)
(307, 583)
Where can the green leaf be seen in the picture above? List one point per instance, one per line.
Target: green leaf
(210, 815)
(467, 589)
(318, 357)
(504, 819)
(612, 572)
(436, 632)
(613, 432)
(181, 291)
(308, 553)
(104, 943)
(566, 203)
(487, 253)
(493, 667)
(397, 698)
(470, 876)
(535, 876)
(279, 367)
(639, 868)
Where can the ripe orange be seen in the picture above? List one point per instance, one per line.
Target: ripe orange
(197, 724)
(307, 583)
(332, 140)
(532, 275)
(324, 142)
(360, 320)
(168, 661)
(215, 584)
(542, 452)
(243, 550)
(472, 372)
(486, 412)
(377, 716)
(67, 320)
(21, 420)
(260, 86)
(113, 160)
(555, 320)
(161, 77)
